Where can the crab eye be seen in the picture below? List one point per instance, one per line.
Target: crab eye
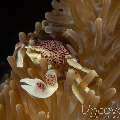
(41, 86)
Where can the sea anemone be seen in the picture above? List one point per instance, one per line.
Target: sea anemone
(66, 68)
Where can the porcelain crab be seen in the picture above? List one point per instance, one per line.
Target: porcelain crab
(56, 55)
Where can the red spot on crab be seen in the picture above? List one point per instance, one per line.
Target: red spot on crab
(40, 86)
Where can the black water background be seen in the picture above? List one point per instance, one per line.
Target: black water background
(17, 16)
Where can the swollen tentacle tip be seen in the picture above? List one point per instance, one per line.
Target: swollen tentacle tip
(44, 24)
(22, 37)
(38, 27)
(42, 115)
(98, 21)
(107, 2)
(54, 4)
(18, 106)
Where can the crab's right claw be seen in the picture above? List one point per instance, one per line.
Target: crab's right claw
(73, 62)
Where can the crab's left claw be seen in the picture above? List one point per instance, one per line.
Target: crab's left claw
(38, 88)
(73, 62)
(19, 57)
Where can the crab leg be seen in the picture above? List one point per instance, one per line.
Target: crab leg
(19, 59)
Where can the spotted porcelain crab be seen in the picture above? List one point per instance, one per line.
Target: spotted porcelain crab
(56, 55)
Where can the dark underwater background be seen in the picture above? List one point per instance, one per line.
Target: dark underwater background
(17, 16)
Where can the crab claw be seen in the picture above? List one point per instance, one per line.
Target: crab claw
(38, 88)
(20, 56)
(73, 62)
(19, 59)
